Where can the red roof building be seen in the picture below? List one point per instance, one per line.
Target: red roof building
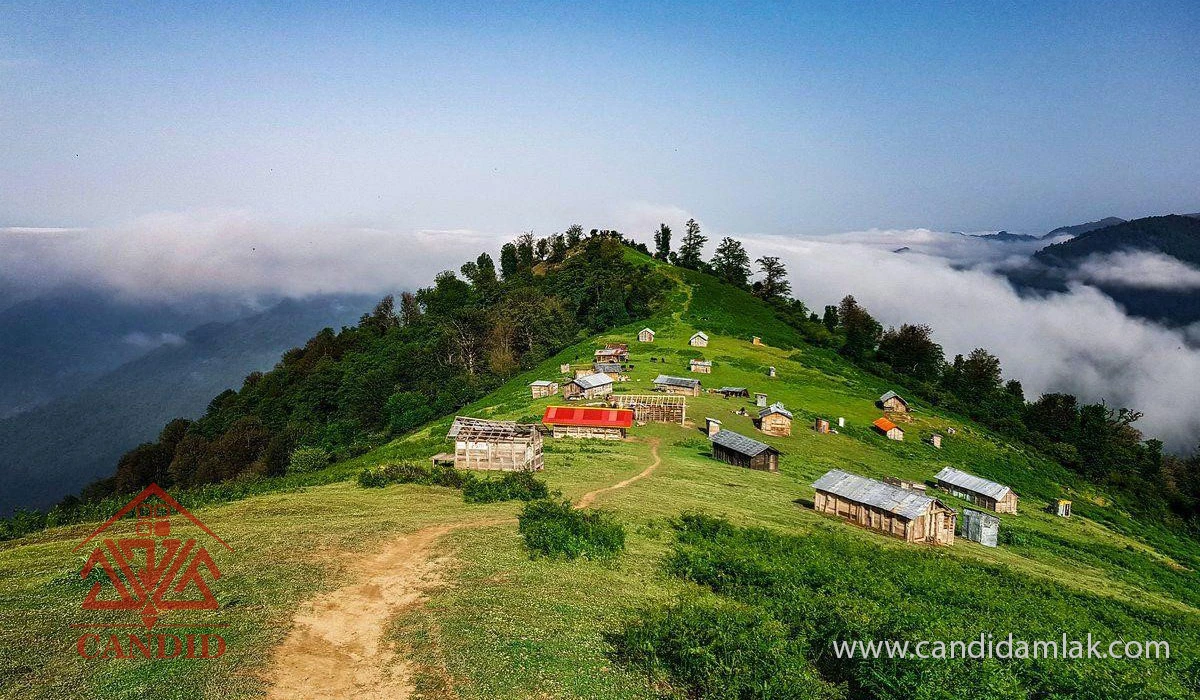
(588, 421)
(889, 429)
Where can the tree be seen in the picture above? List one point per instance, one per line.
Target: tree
(662, 242)
(862, 330)
(410, 309)
(525, 251)
(980, 375)
(382, 317)
(574, 234)
(830, 319)
(912, 351)
(774, 285)
(692, 246)
(558, 247)
(731, 263)
(509, 264)
(542, 249)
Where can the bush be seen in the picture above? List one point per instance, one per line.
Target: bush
(307, 459)
(555, 529)
(513, 486)
(414, 473)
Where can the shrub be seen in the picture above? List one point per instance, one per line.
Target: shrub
(307, 459)
(513, 486)
(555, 529)
(414, 473)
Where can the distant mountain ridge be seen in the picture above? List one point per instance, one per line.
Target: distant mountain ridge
(1006, 237)
(1173, 235)
(1080, 229)
(57, 448)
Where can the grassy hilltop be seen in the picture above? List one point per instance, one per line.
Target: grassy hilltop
(743, 606)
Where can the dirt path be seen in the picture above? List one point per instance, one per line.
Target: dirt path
(586, 499)
(336, 648)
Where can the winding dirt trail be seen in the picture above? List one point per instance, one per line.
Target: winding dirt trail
(336, 649)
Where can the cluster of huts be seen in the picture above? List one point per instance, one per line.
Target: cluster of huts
(893, 506)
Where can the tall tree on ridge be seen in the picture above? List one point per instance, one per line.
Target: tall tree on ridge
(731, 263)
(662, 242)
(774, 285)
(691, 247)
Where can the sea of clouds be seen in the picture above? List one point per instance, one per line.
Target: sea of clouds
(1078, 341)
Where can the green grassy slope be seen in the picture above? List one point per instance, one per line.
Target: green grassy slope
(503, 625)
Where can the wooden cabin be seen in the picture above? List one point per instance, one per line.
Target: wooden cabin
(495, 445)
(591, 386)
(775, 420)
(652, 408)
(645, 336)
(700, 366)
(1060, 507)
(712, 426)
(977, 490)
(543, 388)
(760, 400)
(872, 504)
(587, 422)
(821, 426)
(905, 484)
(680, 386)
(741, 451)
(728, 391)
(756, 340)
(891, 401)
(888, 428)
(698, 340)
(613, 370)
(936, 440)
(614, 352)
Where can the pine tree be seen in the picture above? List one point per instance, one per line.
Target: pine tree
(691, 247)
(774, 285)
(662, 242)
(731, 263)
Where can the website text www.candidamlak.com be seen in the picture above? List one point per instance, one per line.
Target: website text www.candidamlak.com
(988, 646)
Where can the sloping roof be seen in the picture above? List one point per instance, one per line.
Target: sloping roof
(677, 381)
(699, 334)
(541, 382)
(591, 381)
(775, 408)
(732, 390)
(892, 395)
(885, 425)
(647, 330)
(894, 499)
(700, 363)
(970, 482)
(482, 427)
(614, 367)
(741, 444)
(589, 416)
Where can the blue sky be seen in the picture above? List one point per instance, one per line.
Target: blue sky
(756, 118)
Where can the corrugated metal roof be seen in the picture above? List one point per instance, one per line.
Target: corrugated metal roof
(591, 381)
(732, 390)
(892, 395)
(541, 382)
(775, 408)
(614, 367)
(701, 363)
(590, 416)
(493, 428)
(700, 334)
(885, 425)
(970, 482)
(740, 443)
(907, 504)
(647, 330)
(677, 381)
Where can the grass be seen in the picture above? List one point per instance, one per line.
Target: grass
(506, 625)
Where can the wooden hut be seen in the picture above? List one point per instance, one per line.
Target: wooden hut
(905, 484)
(496, 445)
(698, 340)
(677, 385)
(591, 386)
(1060, 507)
(646, 335)
(980, 527)
(891, 401)
(613, 370)
(821, 426)
(543, 388)
(977, 490)
(613, 352)
(700, 366)
(936, 440)
(888, 428)
(872, 504)
(712, 426)
(771, 371)
(756, 340)
(652, 408)
(741, 451)
(728, 391)
(760, 399)
(587, 421)
(775, 420)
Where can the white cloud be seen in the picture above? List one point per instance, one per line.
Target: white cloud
(1139, 269)
(1080, 342)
